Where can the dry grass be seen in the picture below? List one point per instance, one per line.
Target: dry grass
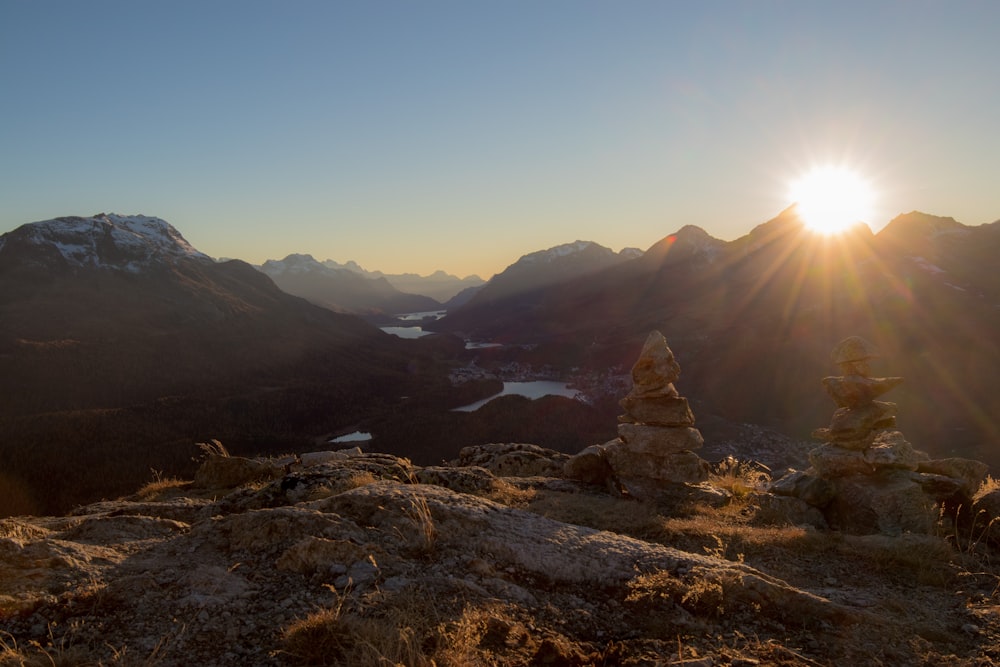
(989, 485)
(33, 654)
(740, 478)
(161, 488)
(425, 533)
(213, 448)
(353, 481)
(400, 629)
(508, 494)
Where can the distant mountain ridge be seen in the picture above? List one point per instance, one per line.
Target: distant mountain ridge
(551, 266)
(440, 286)
(341, 289)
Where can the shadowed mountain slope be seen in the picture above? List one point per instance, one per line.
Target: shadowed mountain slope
(120, 345)
(753, 320)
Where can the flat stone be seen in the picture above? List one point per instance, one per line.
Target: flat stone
(972, 473)
(851, 391)
(854, 423)
(890, 449)
(859, 444)
(657, 411)
(831, 461)
(805, 486)
(659, 440)
(940, 487)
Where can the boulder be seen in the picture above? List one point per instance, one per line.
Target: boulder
(470, 479)
(228, 472)
(316, 458)
(778, 510)
(591, 465)
(890, 449)
(514, 459)
(807, 487)
(972, 473)
(634, 471)
(890, 502)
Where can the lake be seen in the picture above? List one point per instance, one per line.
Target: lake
(533, 389)
(405, 332)
(357, 436)
(418, 317)
(415, 331)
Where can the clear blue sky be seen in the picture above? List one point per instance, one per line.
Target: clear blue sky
(418, 135)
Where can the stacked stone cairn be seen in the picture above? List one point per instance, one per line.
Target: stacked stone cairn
(861, 437)
(655, 449)
(866, 477)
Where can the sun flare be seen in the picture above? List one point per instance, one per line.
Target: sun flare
(831, 199)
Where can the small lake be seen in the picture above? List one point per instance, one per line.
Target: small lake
(418, 317)
(534, 389)
(414, 331)
(406, 332)
(357, 436)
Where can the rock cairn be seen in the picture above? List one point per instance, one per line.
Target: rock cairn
(656, 443)
(866, 477)
(861, 437)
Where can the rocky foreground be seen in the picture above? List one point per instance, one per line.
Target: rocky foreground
(364, 559)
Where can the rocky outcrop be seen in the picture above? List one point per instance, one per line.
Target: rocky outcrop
(513, 459)
(866, 477)
(655, 449)
(203, 581)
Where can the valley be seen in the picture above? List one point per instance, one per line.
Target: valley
(119, 361)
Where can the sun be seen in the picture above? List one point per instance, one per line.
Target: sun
(831, 199)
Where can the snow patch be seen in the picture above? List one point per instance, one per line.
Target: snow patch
(927, 266)
(564, 250)
(293, 264)
(128, 243)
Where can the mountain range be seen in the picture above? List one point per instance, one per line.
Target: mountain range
(753, 320)
(116, 334)
(440, 286)
(341, 289)
(120, 344)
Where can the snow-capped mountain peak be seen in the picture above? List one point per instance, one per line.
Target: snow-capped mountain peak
(294, 263)
(106, 240)
(560, 251)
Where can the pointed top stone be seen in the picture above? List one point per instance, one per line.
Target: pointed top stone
(656, 369)
(852, 355)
